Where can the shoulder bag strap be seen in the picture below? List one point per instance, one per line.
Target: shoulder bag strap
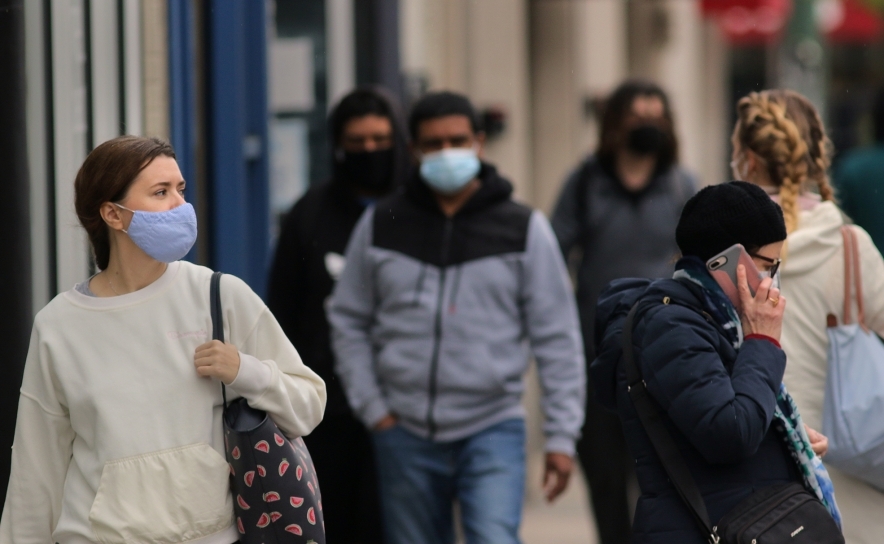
(664, 445)
(848, 276)
(852, 264)
(217, 318)
(858, 281)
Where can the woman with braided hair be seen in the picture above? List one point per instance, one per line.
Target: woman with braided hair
(780, 144)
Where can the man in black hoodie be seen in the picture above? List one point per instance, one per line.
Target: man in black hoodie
(369, 161)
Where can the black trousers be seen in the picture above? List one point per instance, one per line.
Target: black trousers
(342, 453)
(608, 469)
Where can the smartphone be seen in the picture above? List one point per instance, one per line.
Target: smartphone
(723, 268)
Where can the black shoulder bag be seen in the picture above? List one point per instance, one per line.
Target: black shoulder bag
(782, 513)
(276, 493)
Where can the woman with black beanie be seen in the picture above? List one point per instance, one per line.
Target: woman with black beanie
(369, 160)
(714, 372)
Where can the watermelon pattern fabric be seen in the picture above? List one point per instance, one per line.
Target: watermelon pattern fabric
(274, 485)
(275, 488)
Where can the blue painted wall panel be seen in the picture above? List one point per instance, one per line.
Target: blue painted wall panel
(238, 125)
(182, 87)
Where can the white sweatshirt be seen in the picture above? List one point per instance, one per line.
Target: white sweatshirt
(118, 439)
(813, 283)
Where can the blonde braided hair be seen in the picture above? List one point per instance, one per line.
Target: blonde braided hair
(784, 129)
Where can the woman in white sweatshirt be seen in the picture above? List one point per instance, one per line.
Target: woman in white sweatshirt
(118, 437)
(780, 144)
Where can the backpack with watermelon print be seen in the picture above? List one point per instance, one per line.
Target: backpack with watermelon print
(274, 485)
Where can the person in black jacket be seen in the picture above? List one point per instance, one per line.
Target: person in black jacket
(715, 372)
(370, 160)
(619, 207)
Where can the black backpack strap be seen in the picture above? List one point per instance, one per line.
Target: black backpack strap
(583, 179)
(652, 421)
(217, 318)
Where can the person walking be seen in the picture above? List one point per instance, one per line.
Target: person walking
(780, 144)
(619, 207)
(713, 366)
(859, 178)
(119, 436)
(369, 161)
(443, 284)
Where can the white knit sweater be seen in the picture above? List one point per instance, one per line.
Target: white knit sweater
(118, 439)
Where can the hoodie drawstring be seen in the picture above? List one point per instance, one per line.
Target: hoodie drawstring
(420, 284)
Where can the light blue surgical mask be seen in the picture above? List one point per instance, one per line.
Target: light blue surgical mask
(449, 170)
(165, 236)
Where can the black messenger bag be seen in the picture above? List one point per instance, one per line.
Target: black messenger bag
(782, 513)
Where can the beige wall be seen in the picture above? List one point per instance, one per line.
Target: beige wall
(477, 47)
(578, 51)
(671, 43)
(155, 40)
(542, 59)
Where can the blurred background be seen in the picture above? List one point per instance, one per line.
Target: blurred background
(242, 89)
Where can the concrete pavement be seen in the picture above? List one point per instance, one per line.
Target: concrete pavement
(566, 521)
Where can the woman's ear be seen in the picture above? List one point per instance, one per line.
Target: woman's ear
(112, 216)
(755, 166)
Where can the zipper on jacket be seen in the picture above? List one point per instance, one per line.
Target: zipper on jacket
(437, 329)
(781, 516)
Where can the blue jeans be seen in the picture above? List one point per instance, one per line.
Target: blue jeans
(420, 480)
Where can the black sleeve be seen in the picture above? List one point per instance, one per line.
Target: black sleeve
(566, 220)
(285, 285)
(725, 415)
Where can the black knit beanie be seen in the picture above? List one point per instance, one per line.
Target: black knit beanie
(720, 216)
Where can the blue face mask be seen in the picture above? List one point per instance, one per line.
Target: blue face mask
(449, 170)
(165, 236)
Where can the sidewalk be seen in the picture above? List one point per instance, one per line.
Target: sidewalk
(566, 521)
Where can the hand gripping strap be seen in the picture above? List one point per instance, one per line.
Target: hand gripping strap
(217, 318)
(664, 445)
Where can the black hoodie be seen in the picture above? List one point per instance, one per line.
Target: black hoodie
(313, 237)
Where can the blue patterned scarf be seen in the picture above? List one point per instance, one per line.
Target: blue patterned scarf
(787, 420)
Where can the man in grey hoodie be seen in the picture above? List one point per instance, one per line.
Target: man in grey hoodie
(444, 283)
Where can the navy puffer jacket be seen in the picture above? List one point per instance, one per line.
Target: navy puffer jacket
(719, 404)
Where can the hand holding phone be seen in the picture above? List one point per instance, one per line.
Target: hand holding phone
(723, 268)
(759, 304)
(763, 312)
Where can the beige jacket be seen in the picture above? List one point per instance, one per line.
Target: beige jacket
(813, 284)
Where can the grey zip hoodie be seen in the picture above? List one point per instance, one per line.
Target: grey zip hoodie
(431, 315)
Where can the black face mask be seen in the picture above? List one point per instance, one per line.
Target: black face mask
(369, 170)
(645, 140)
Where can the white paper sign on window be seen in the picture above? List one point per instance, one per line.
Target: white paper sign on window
(291, 75)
